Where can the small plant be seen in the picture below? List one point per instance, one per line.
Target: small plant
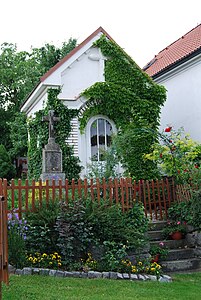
(52, 260)
(17, 234)
(114, 253)
(159, 249)
(174, 226)
(89, 264)
(42, 234)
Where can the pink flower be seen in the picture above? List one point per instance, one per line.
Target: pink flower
(178, 223)
(161, 244)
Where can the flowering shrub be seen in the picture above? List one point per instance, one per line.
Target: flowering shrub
(52, 260)
(17, 234)
(160, 249)
(142, 267)
(89, 264)
(174, 226)
(125, 266)
(177, 155)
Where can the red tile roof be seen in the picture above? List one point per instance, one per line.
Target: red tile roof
(175, 53)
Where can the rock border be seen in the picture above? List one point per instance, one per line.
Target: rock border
(90, 274)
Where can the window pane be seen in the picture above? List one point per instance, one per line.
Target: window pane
(101, 131)
(94, 146)
(108, 133)
(101, 136)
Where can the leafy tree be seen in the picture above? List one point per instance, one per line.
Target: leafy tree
(6, 167)
(19, 73)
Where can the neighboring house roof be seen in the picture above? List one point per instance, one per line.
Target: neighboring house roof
(189, 45)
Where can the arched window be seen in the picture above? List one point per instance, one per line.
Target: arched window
(100, 136)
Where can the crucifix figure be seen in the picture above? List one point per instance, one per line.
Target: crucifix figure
(51, 119)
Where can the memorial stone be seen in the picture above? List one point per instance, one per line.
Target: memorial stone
(52, 154)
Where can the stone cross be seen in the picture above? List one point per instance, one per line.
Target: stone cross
(51, 119)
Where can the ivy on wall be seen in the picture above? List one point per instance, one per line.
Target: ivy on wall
(133, 101)
(128, 96)
(39, 132)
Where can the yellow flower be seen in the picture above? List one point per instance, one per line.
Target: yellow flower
(140, 263)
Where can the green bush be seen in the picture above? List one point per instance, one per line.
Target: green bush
(17, 233)
(42, 236)
(195, 210)
(74, 233)
(7, 169)
(179, 211)
(109, 223)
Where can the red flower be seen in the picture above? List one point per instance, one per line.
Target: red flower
(170, 141)
(161, 155)
(196, 166)
(168, 129)
(185, 170)
(178, 171)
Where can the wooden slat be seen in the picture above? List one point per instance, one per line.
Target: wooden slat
(159, 199)
(154, 199)
(149, 199)
(19, 198)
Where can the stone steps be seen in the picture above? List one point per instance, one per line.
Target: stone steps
(171, 244)
(180, 254)
(181, 265)
(180, 257)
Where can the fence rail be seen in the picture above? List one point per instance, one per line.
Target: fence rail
(156, 195)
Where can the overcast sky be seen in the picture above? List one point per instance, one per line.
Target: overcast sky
(141, 27)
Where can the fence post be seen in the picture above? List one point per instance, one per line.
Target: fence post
(3, 244)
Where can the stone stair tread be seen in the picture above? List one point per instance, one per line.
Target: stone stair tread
(182, 264)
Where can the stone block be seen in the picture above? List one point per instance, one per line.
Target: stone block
(84, 274)
(76, 274)
(141, 277)
(18, 272)
(113, 275)
(44, 272)
(27, 271)
(126, 276)
(119, 276)
(165, 278)
(105, 274)
(97, 275)
(134, 277)
(35, 271)
(59, 274)
(153, 277)
(68, 274)
(11, 269)
(52, 273)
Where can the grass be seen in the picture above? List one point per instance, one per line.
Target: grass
(184, 286)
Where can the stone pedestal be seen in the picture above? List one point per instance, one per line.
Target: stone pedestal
(52, 162)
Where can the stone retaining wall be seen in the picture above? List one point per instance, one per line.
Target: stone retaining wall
(90, 274)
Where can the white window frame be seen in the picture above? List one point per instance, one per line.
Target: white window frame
(88, 133)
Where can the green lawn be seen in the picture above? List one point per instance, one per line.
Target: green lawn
(185, 286)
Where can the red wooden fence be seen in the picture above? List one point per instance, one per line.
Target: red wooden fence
(156, 196)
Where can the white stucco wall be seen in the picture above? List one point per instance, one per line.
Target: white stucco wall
(82, 73)
(183, 104)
